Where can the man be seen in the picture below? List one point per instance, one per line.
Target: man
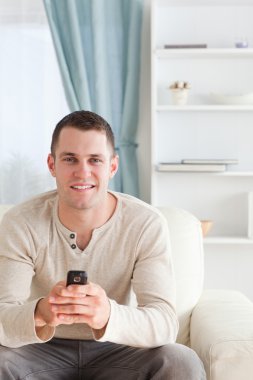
(51, 331)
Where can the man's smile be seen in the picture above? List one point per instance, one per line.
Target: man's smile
(82, 187)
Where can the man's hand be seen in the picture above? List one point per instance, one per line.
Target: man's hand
(74, 304)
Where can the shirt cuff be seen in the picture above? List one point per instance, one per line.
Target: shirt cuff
(110, 327)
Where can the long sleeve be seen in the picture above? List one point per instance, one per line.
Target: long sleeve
(153, 322)
(17, 326)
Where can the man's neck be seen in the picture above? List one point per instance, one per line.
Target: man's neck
(84, 221)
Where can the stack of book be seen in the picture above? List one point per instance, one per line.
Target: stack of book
(197, 165)
(185, 46)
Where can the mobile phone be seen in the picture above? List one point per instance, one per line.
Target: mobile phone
(76, 277)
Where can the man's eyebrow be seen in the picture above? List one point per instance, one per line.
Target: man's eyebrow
(97, 155)
(71, 154)
(67, 154)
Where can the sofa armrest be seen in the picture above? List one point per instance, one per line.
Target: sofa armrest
(221, 333)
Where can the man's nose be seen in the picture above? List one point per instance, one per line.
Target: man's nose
(83, 170)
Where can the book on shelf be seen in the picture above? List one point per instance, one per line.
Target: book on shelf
(179, 167)
(225, 161)
(185, 46)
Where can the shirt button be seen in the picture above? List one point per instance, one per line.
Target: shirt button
(73, 246)
(72, 236)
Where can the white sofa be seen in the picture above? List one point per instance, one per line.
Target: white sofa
(217, 324)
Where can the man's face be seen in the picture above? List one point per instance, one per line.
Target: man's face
(82, 166)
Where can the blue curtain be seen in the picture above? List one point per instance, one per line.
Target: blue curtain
(97, 43)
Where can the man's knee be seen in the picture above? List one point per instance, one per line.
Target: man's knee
(6, 355)
(181, 361)
(7, 360)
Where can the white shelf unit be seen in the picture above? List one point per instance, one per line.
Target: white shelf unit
(201, 129)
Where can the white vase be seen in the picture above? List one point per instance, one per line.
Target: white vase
(179, 96)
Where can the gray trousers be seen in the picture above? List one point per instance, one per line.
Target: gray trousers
(64, 359)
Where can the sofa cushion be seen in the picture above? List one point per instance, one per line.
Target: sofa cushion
(222, 334)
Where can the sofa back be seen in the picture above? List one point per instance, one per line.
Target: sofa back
(188, 259)
(3, 209)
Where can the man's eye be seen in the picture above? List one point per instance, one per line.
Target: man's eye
(69, 159)
(96, 161)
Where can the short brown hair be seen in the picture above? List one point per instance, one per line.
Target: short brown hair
(85, 121)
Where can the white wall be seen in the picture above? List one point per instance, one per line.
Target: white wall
(228, 267)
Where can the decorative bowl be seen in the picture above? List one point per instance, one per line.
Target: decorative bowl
(232, 99)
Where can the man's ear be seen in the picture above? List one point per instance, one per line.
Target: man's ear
(114, 166)
(50, 164)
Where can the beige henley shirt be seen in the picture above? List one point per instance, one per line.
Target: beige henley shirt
(131, 250)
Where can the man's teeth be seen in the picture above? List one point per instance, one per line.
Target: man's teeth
(82, 187)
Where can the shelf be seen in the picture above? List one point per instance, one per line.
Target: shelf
(204, 127)
(235, 174)
(204, 108)
(228, 240)
(220, 174)
(204, 53)
(202, 3)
